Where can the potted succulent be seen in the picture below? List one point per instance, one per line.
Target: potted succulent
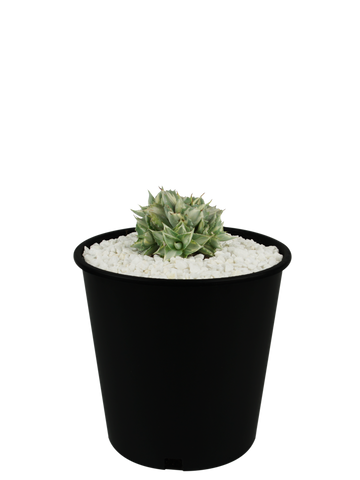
(181, 356)
(172, 226)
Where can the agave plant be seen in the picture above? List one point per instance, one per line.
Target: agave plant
(172, 225)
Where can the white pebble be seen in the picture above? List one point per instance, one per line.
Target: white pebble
(237, 257)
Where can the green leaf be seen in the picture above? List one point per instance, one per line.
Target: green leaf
(158, 198)
(160, 251)
(191, 248)
(170, 240)
(170, 231)
(180, 205)
(199, 200)
(148, 239)
(186, 238)
(169, 253)
(200, 227)
(212, 226)
(218, 224)
(223, 236)
(140, 230)
(139, 244)
(194, 215)
(150, 250)
(207, 251)
(180, 229)
(169, 198)
(158, 237)
(138, 211)
(155, 222)
(174, 218)
(151, 199)
(211, 214)
(158, 210)
(214, 243)
(201, 239)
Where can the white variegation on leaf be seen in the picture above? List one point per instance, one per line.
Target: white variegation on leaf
(172, 226)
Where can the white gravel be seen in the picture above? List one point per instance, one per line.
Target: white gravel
(237, 257)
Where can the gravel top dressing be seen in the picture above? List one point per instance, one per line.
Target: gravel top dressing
(238, 256)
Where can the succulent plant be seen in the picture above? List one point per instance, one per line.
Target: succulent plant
(172, 225)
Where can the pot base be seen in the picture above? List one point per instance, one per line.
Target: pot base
(175, 465)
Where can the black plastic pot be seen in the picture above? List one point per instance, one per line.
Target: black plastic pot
(182, 363)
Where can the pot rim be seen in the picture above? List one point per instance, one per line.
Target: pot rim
(247, 234)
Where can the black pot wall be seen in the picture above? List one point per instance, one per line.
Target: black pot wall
(182, 363)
